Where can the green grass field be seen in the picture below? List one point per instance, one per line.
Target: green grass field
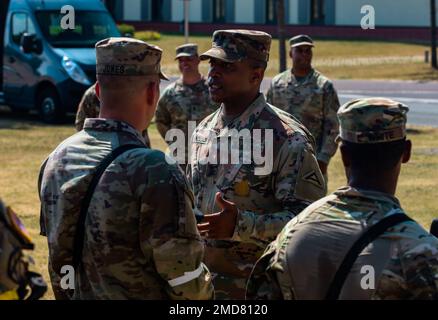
(337, 59)
(25, 142)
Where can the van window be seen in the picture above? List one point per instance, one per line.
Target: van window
(90, 27)
(21, 23)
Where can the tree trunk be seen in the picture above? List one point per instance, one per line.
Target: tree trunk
(280, 31)
(433, 33)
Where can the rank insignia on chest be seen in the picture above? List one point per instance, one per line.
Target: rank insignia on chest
(241, 188)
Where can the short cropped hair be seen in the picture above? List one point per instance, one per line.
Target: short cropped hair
(374, 157)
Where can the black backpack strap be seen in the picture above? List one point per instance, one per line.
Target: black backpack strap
(43, 231)
(365, 239)
(80, 227)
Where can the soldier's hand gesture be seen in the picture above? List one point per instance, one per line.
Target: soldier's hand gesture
(220, 225)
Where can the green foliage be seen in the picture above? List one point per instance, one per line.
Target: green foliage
(126, 29)
(147, 35)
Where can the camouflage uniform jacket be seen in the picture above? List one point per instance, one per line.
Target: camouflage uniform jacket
(140, 231)
(89, 107)
(266, 202)
(302, 261)
(314, 102)
(181, 103)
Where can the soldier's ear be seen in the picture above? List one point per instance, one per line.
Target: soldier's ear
(257, 75)
(345, 155)
(346, 160)
(407, 151)
(97, 88)
(152, 92)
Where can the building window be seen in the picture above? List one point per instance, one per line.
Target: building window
(218, 10)
(271, 11)
(317, 14)
(157, 10)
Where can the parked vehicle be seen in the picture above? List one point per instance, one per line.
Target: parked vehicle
(47, 67)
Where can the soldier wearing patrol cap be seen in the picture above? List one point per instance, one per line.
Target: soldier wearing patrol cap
(17, 282)
(356, 243)
(245, 208)
(310, 97)
(89, 107)
(187, 99)
(114, 209)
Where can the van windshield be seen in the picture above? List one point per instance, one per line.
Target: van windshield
(89, 28)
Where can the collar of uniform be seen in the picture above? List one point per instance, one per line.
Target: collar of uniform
(196, 85)
(292, 80)
(109, 125)
(369, 194)
(246, 119)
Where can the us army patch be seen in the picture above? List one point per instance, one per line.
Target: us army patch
(313, 178)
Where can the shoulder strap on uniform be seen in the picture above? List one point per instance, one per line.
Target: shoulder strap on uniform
(80, 227)
(365, 239)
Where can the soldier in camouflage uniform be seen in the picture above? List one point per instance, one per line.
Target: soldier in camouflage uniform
(244, 209)
(310, 97)
(302, 261)
(140, 235)
(15, 277)
(187, 99)
(89, 107)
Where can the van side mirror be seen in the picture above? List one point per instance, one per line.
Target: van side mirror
(30, 43)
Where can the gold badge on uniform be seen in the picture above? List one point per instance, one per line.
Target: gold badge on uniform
(241, 188)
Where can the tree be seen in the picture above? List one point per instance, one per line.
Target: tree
(433, 33)
(186, 20)
(280, 31)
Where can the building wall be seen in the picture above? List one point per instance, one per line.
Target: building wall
(132, 10)
(244, 11)
(177, 10)
(145, 10)
(293, 12)
(195, 11)
(407, 13)
(330, 12)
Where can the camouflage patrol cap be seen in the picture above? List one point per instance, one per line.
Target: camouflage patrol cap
(372, 120)
(235, 45)
(128, 57)
(301, 40)
(187, 50)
